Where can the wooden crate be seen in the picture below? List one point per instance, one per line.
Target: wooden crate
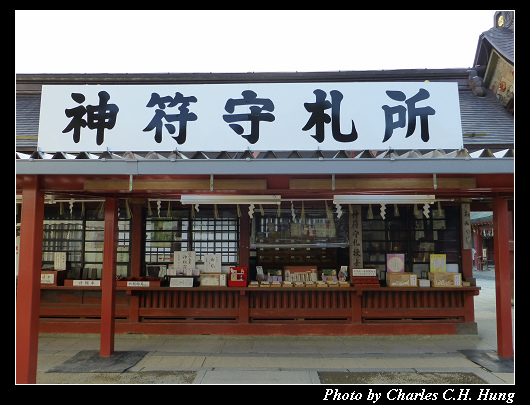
(401, 279)
(445, 279)
(213, 280)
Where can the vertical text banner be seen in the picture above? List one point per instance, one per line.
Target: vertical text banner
(260, 116)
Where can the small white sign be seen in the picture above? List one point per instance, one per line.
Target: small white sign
(59, 261)
(87, 283)
(467, 237)
(181, 282)
(212, 263)
(356, 235)
(47, 278)
(364, 272)
(138, 283)
(184, 260)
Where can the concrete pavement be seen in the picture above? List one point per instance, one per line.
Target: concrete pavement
(283, 359)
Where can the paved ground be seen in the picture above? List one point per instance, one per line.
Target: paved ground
(289, 359)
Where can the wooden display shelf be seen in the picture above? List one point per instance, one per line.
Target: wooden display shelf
(246, 310)
(357, 289)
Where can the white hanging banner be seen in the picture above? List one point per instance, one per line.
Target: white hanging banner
(255, 116)
(356, 236)
(467, 237)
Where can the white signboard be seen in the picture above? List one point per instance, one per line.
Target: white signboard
(356, 236)
(47, 278)
(467, 238)
(87, 283)
(184, 260)
(364, 272)
(212, 263)
(138, 283)
(255, 116)
(59, 261)
(181, 282)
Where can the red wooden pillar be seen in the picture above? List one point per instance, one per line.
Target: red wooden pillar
(356, 306)
(136, 259)
(244, 303)
(28, 289)
(502, 277)
(136, 240)
(108, 278)
(244, 261)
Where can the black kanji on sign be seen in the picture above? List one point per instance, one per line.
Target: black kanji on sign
(255, 116)
(413, 112)
(77, 114)
(319, 117)
(160, 115)
(99, 117)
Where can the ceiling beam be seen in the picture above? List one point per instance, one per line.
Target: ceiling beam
(175, 184)
(382, 183)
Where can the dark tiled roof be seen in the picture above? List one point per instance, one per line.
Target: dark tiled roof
(27, 111)
(485, 115)
(503, 40)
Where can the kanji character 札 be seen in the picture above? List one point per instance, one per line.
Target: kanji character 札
(319, 117)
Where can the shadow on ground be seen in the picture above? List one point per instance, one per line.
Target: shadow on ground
(329, 377)
(150, 377)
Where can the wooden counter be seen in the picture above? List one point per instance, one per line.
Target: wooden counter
(272, 310)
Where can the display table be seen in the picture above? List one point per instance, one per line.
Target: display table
(246, 310)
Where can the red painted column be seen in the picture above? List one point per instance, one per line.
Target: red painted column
(28, 288)
(136, 259)
(244, 261)
(136, 240)
(502, 277)
(108, 278)
(243, 307)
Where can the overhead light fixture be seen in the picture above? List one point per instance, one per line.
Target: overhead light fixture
(229, 199)
(384, 199)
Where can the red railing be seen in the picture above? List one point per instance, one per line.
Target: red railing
(262, 305)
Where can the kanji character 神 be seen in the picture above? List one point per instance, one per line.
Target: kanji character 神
(77, 114)
(100, 117)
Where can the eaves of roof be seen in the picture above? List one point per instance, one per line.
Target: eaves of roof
(486, 117)
(503, 40)
(33, 82)
(389, 162)
(480, 115)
